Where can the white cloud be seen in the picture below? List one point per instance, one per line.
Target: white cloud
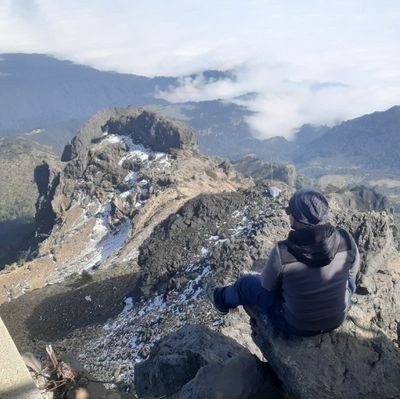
(289, 52)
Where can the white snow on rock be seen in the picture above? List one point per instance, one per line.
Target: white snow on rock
(112, 138)
(112, 351)
(132, 255)
(108, 236)
(102, 242)
(127, 338)
(128, 304)
(131, 178)
(204, 251)
(127, 193)
(138, 152)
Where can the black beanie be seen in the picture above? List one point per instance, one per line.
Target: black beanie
(309, 207)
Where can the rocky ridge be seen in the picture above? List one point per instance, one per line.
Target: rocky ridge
(360, 359)
(223, 247)
(115, 191)
(151, 228)
(261, 170)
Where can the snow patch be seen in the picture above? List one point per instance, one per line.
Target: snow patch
(127, 338)
(113, 139)
(131, 178)
(103, 241)
(204, 251)
(127, 193)
(132, 255)
(128, 304)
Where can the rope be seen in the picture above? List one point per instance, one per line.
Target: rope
(96, 381)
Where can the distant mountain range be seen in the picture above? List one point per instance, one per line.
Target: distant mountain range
(48, 100)
(370, 142)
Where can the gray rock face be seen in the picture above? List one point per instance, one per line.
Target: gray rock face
(152, 130)
(179, 239)
(242, 377)
(47, 178)
(141, 126)
(99, 168)
(237, 226)
(360, 359)
(361, 198)
(261, 170)
(176, 359)
(351, 362)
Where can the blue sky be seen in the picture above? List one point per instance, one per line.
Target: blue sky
(311, 61)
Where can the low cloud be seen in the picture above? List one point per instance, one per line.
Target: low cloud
(202, 88)
(282, 106)
(310, 61)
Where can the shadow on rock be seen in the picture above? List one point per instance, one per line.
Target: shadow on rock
(354, 361)
(50, 313)
(196, 362)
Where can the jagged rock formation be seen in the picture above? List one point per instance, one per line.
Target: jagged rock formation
(261, 170)
(221, 236)
(133, 218)
(196, 363)
(360, 197)
(228, 246)
(114, 191)
(47, 179)
(143, 127)
(18, 195)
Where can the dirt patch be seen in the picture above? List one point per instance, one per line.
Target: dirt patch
(52, 312)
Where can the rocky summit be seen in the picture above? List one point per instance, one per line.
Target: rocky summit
(112, 192)
(137, 226)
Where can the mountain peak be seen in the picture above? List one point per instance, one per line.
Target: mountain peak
(141, 126)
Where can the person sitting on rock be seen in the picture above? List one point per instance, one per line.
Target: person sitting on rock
(308, 280)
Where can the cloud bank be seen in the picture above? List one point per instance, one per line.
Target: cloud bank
(309, 62)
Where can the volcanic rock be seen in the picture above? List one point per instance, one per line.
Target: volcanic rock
(176, 359)
(360, 359)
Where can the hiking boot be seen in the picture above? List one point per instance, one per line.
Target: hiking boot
(214, 295)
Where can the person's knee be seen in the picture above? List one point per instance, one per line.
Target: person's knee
(248, 285)
(249, 280)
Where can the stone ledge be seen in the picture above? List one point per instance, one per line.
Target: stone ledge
(15, 380)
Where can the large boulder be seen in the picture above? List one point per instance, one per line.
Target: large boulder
(242, 377)
(355, 361)
(176, 359)
(196, 363)
(360, 359)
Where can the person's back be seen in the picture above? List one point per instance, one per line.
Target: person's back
(309, 278)
(314, 267)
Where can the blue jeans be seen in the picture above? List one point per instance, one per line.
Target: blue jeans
(248, 291)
